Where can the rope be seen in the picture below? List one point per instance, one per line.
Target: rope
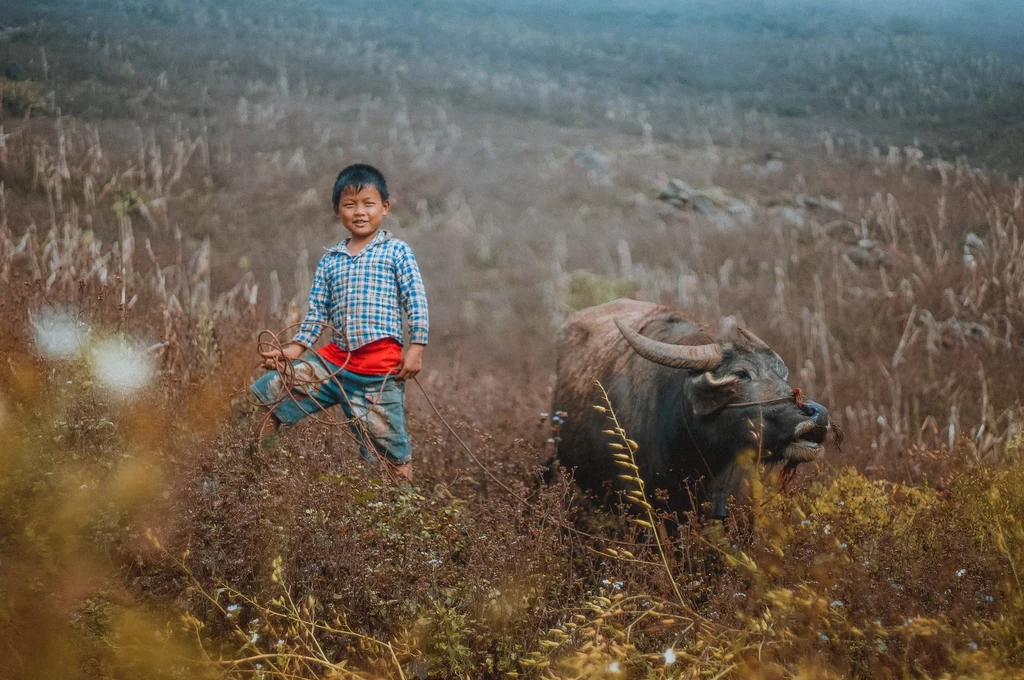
(291, 380)
(797, 396)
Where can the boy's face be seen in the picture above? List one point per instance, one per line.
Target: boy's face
(362, 211)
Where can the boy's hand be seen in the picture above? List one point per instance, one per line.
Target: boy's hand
(275, 359)
(412, 362)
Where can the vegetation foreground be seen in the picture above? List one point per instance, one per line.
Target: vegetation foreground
(143, 203)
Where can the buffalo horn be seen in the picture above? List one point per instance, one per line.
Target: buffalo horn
(696, 357)
(754, 340)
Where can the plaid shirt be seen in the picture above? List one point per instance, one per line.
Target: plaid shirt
(363, 295)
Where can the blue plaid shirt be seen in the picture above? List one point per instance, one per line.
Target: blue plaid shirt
(363, 295)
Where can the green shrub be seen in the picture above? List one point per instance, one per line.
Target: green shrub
(587, 289)
(19, 96)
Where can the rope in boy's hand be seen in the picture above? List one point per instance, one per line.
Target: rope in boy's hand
(268, 340)
(270, 347)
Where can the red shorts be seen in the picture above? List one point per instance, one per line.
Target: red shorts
(379, 357)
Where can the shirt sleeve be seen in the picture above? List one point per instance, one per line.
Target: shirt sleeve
(319, 309)
(413, 296)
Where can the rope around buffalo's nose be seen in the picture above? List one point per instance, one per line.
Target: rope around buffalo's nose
(797, 396)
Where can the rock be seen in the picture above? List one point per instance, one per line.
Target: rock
(861, 258)
(743, 212)
(953, 332)
(677, 188)
(773, 165)
(680, 187)
(712, 203)
(703, 205)
(706, 206)
(975, 331)
(973, 242)
(805, 201)
(667, 208)
(869, 254)
(715, 200)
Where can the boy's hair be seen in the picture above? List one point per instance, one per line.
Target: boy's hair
(356, 178)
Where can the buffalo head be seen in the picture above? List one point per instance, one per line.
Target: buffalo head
(738, 397)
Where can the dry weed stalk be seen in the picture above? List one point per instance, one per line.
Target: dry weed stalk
(286, 640)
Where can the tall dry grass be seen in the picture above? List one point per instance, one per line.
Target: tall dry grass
(146, 238)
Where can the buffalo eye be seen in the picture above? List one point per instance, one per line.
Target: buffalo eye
(742, 374)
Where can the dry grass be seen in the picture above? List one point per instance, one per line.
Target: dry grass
(145, 238)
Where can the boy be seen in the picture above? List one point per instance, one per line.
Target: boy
(361, 287)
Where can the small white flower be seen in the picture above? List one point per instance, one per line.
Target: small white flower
(837, 603)
(255, 637)
(613, 667)
(58, 335)
(961, 573)
(119, 367)
(670, 656)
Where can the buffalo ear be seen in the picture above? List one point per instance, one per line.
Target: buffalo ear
(708, 394)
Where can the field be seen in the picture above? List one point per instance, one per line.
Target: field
(842, 179)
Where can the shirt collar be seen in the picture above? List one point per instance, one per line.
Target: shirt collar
(342, 247)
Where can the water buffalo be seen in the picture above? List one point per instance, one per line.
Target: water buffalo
(692, 402)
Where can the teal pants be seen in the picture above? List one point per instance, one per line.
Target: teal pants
(376, 415)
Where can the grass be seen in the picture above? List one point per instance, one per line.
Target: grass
(19, 97)
(148, 232)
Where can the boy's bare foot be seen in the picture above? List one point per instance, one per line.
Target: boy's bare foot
(404, 473)
(265, 422)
